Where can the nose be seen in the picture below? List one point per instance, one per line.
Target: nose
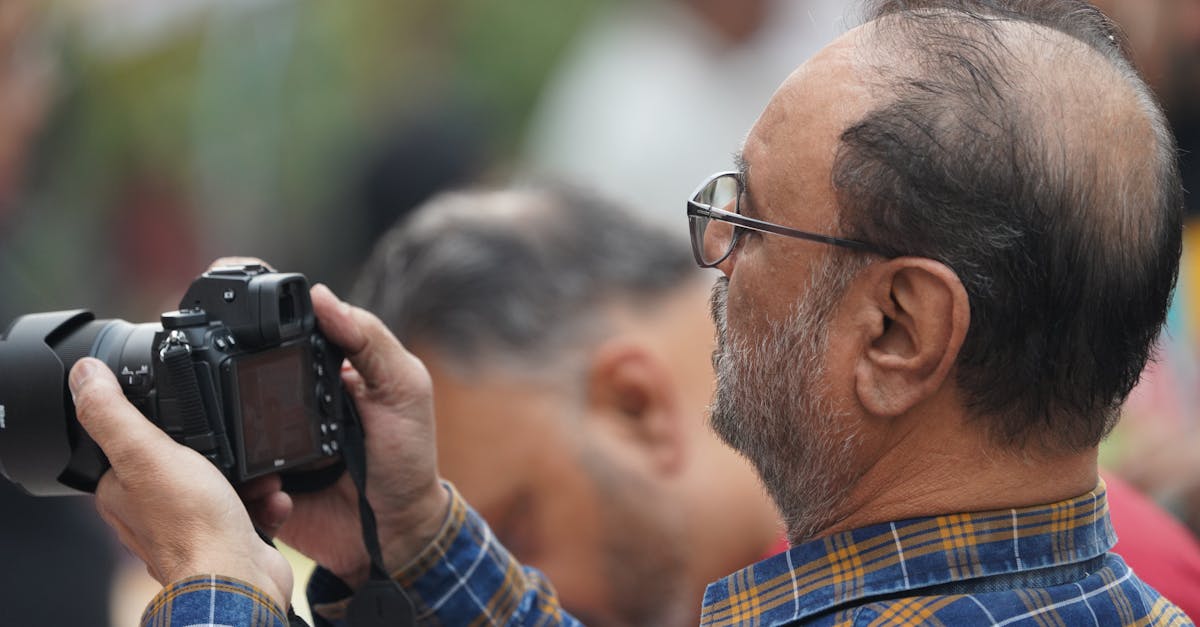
(720, 240)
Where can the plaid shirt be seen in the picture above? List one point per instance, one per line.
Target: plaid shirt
(465, 577)
(1040, 567)
(209, 601)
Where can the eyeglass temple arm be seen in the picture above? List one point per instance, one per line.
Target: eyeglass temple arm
(767, 227)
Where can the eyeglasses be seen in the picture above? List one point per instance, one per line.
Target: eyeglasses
(715, 220)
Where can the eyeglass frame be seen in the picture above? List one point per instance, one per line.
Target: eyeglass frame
(741, 222)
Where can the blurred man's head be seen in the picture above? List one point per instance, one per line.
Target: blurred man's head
(1016, 188)
(569, 346)
(1165, 39)
(737, 21)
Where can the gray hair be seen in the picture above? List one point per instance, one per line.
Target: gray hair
(519, 276)
(1015, 143)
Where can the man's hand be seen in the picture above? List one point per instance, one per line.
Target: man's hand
(168, 504)
(393, 393)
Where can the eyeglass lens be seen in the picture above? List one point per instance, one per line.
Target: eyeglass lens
(713, 239)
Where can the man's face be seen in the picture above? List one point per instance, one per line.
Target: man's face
(525, 459)
(772, 406)
(782, 377)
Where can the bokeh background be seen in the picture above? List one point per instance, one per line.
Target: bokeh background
(173, 132)
(140, 139)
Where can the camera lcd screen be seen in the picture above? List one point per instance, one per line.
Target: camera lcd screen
(278, 403)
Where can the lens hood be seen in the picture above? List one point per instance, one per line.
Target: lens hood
(35, 403)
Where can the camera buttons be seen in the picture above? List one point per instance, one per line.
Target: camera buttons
(223, 342)
(324, 398)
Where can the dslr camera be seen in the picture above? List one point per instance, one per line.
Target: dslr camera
(239, 373)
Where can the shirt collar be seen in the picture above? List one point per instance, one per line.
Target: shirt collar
(894, 557)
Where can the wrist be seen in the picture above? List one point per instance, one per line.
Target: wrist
(402, 536)
(269, 574)
(416, 529)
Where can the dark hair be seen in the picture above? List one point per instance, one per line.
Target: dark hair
(521, 274)
(1042, 172)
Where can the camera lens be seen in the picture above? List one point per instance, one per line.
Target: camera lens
(43, 449)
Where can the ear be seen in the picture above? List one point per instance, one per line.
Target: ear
(913, 318)
(632, 393)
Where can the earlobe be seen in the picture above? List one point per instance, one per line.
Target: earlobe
(911, 340)
(631, 393)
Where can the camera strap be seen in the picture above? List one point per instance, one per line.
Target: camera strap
(381, 602)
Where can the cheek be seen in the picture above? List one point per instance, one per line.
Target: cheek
(748, 308)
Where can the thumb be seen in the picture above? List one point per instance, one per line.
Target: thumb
(120, 430)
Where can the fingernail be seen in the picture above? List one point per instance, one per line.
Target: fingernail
(82, 371)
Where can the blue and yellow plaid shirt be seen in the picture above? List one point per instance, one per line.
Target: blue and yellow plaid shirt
(212, 600)
(1043, 566)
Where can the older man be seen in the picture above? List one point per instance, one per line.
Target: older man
(568, 344)
(948, 252)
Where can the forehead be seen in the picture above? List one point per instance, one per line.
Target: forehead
(789, 152)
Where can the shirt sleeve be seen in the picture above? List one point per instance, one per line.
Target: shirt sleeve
(212, 600)
(465, 576)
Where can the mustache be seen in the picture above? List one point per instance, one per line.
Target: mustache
(718, 301)
(718, 306)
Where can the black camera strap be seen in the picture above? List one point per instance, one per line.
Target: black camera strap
(381, 602)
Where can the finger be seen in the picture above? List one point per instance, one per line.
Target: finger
(110, 515)
(261, 487)
(121, 431)
(102, 507)
(270, 512)
(337, 320)
(239, 261)
(384, 364)
(354, 384)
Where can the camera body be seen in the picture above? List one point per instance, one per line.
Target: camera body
(240, 373)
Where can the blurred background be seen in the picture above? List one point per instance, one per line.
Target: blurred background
(162, 134)
(141, 139)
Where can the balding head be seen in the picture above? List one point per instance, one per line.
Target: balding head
(1015, 143)
(519, 277)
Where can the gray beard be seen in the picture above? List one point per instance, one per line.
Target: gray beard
(771, 406)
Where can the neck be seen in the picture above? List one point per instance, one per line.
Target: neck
(929, 472)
